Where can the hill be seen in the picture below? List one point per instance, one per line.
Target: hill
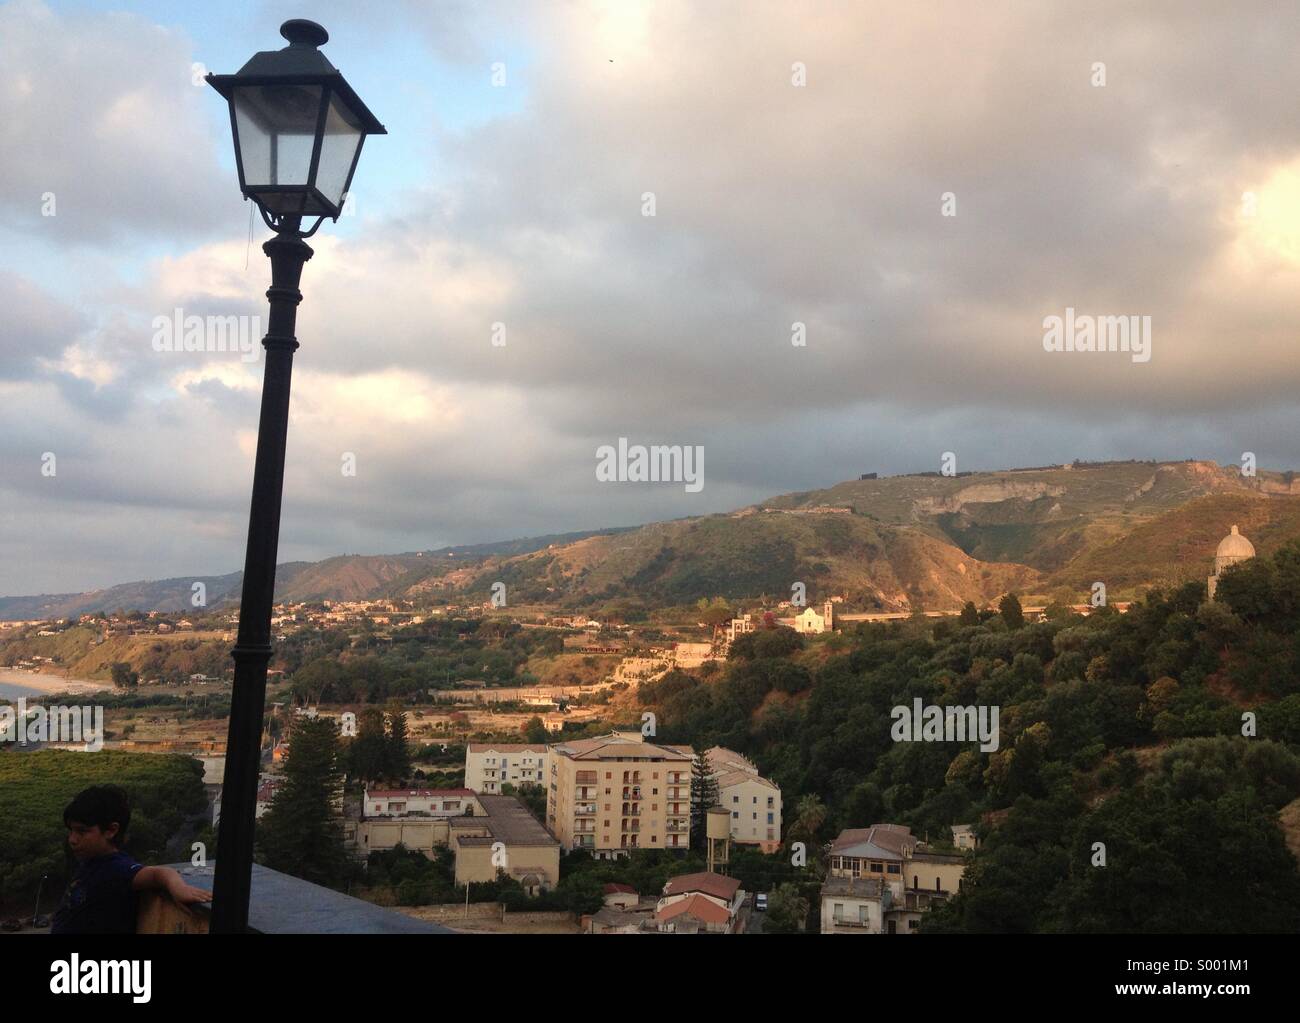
(895, 543)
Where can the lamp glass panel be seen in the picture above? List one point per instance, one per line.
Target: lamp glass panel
(277, 131)
(343, 133)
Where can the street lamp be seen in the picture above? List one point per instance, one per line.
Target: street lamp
(298, 129)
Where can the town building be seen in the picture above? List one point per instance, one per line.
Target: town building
(486, 834)
(506, 838)
(754, 802)
(418, 802)
(489, 765)
(699, 903)
(882, 879)
(1233, 549)
(739, 627)
(617, 792)
(809, 621)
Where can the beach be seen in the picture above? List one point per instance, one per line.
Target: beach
(15, 682)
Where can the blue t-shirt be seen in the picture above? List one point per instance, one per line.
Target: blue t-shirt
(100, 899)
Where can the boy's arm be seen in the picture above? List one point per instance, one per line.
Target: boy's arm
(171, 882)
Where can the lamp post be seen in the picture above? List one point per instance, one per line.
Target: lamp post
(298, 129)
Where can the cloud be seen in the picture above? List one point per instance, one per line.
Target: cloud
(774, 204)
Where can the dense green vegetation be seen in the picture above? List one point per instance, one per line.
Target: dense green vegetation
(35, 787)
(1126, 730)
(327, 665)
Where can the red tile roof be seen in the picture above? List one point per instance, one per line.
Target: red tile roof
(717, 885)
(697, 906)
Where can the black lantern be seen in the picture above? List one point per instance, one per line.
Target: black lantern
(298, 127)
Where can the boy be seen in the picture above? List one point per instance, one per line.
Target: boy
(101, 898)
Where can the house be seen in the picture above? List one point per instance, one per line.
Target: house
(853, 905)
(701, 902)
(912, 879)
(964, 837)
(618, 921)
(621, 896)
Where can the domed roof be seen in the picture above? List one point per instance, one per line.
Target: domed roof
(1234, 545)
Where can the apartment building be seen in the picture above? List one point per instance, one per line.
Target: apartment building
(489, 765)
(618, 792)
(882, 879)
(753, 801)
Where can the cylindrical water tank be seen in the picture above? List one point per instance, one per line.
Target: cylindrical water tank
(718, 825)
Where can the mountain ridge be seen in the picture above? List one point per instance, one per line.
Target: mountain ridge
(921, 540)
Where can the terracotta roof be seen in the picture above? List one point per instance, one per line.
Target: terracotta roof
(697, 906)
(880, 841)
(717, 885)
(613, 748)
(738, 777)
(614, 887)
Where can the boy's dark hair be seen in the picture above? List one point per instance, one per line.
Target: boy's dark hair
(99, 806)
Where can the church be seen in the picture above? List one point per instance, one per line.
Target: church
(1232, 548)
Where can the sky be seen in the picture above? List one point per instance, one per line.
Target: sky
(919, 186)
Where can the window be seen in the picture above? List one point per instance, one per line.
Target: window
(769, 819)
(735, 815)
(913, 925)
(877, 868)
(735, 799)
(893, 868)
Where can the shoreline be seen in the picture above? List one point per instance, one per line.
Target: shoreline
(42, 684)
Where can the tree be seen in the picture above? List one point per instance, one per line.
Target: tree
(397, 750)
(302, 833)
(704, 794)
(1012, 614)
(534, 731)
(369, 752)
(123, 676)
(786, 911)
(970, 614)
(809, 816)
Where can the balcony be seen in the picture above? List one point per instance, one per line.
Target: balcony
(585, 809)
(279, 904)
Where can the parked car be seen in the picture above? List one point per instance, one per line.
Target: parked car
(760, 902)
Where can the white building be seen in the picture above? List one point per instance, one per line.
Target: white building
(812, 622)
(489, 765)
(753, 801)
(1233, 549)
(422, 802)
